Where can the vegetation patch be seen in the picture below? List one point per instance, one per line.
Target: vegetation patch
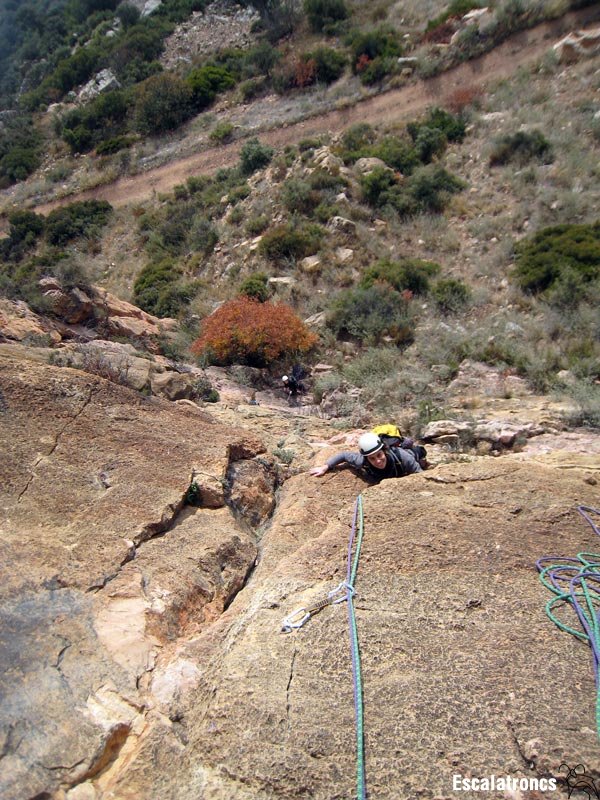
(244, 331)
(558, 254)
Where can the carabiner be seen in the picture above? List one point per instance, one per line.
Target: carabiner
(340, 593)
(295, 620)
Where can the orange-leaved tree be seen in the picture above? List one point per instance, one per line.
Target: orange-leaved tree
(244, 331)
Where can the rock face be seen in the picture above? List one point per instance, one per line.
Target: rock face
(141, 652)
(104, 565)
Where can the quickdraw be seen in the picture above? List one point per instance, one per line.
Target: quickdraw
(345, 591)
(301, 615)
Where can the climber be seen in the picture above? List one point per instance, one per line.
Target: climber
(374, 458)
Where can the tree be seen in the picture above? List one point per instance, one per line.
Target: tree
(163, 102)
(245, 331)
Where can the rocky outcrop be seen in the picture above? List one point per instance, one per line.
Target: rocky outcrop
(578, 45)
(81, 313)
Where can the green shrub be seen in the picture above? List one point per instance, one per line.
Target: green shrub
(377, 186)
(586, 395)
(203, 236)
(102, 118)
(322, 14)
(113, 145)
(162, 103)
(128, 14)
(521, 148)
(553, 254)
(256, 225)
(18, 163)
(453, 127)
(407, 274)
(428, 190)
(25, 226)
(451, 295)
(291, 242)
(85, 217)
(372, 315)
(431, 186)
(430, 143)
(367, 46)
(206, 82)
(256, 286)
(328, 64)
(221, 133)
(154, 283)
(299, 197)
(375, 70)
(397, 153)
(254, 156)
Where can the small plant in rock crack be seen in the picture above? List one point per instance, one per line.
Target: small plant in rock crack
(285, 456)
(193, 495)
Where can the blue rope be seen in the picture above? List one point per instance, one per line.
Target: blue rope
(575, 582)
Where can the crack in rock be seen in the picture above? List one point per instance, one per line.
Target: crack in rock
(57, 439)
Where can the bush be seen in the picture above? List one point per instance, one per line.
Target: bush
(256, 225)
(221, 133)
(244, 331)
(451, 296)
(114, 145)
(290, 242)
(328, 64)
(369, 45)
(154, 284)
(254, 156)
(372, 315)
(453, 127)
(552, 253)
(18, 163)
(25, 226)
(355, 140)
(162, 103)
(375, 70)
(431, 187)
(128, 14)
(430, 143)
(521, 147)
(206, 82)
(85, 217)
(408, 274)
(299, 197)
(397, 152)
(256, 286)
(322, 14)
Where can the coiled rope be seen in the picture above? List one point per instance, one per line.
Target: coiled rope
(575, 583)
(345, 591)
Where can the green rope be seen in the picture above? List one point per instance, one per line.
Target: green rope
(355, 650)
(575, 584)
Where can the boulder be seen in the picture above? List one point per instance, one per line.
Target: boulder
(104, 81)
(19, 323)
(342, 225)
(172, 385)
(578, 45)
(364, 166)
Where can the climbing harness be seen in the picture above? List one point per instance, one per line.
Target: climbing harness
(575, 583)
(345, 591)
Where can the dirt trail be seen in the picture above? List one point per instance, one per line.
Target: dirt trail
(396, 105)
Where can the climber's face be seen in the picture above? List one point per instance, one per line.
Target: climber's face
(377, 460)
